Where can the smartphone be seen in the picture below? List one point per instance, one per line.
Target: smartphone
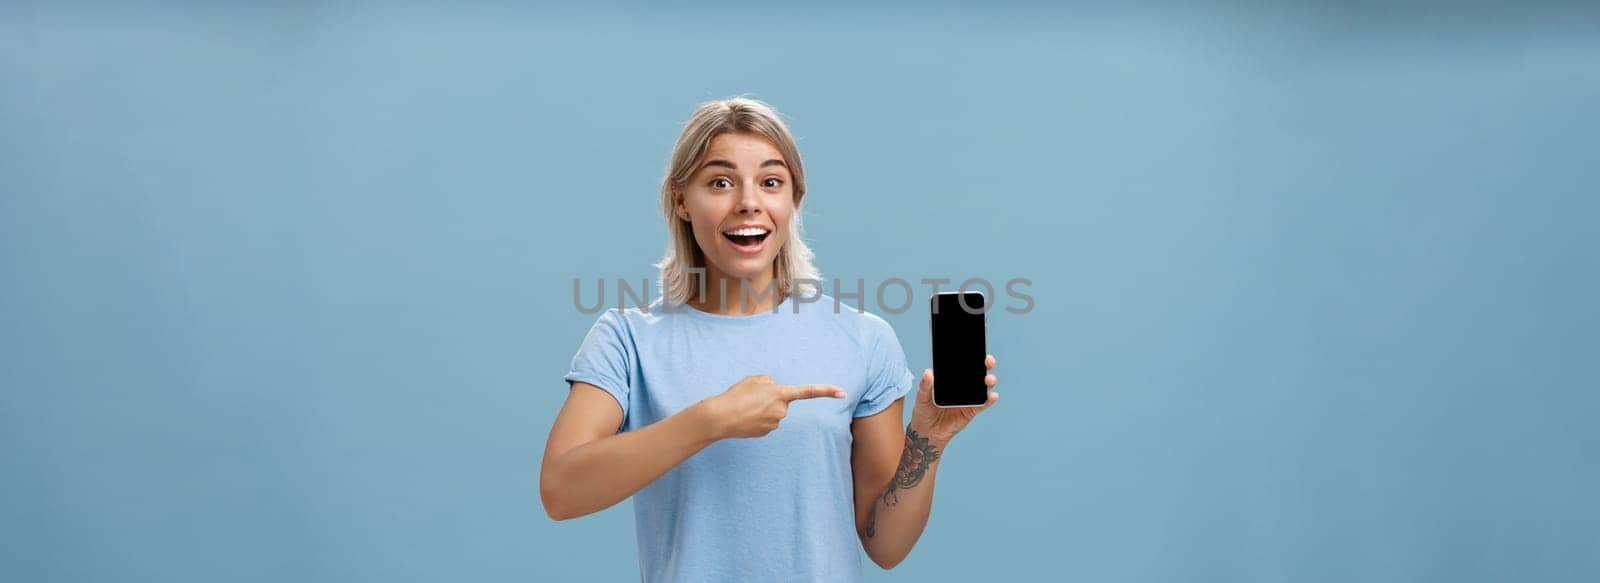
(958, 349)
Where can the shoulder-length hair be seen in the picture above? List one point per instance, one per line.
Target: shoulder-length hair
(683, 265)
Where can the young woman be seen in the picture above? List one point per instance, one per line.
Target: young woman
(754, 420)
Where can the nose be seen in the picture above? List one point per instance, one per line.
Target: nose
(749, 202)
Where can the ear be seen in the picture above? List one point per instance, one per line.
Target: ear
(678, 206)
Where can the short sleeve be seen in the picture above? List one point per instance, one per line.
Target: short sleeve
(888, 378)
(604, 359)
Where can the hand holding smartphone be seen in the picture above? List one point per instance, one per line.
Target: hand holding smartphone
(958, 326)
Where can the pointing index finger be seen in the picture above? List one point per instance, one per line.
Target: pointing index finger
(793, 392)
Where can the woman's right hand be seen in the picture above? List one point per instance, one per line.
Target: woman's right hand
(753, 406)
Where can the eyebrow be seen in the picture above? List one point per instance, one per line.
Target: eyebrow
(731, 166)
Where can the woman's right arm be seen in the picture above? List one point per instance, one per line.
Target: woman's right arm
(588, 466)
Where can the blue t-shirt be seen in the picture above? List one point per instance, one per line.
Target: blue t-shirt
(773, 508)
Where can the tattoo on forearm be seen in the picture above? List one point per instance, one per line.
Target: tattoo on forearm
(915, 460)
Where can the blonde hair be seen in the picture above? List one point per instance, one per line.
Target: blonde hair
(684, 262)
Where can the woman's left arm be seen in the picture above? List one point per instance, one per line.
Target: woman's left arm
(895, 469)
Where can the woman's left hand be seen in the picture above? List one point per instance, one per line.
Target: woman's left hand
(940, 424)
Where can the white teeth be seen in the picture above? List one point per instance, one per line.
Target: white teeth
(748, 232)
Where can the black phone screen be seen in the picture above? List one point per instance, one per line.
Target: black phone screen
(958, 349)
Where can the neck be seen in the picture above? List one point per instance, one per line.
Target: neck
(734, 296)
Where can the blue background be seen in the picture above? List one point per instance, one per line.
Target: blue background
(285, 289)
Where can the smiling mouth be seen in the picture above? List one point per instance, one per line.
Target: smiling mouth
(747, 237)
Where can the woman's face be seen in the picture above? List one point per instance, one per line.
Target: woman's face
(739, 202)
